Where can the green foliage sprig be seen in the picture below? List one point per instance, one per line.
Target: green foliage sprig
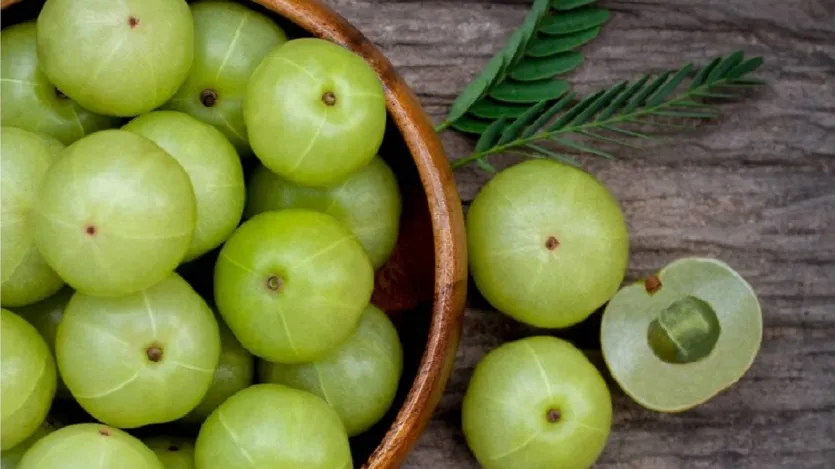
(611, 114)
(523, 72)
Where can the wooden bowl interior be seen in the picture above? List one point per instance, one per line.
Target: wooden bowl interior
(405, 289)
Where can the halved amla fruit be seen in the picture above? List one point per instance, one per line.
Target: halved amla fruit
(88, 445)
(230, 40)
(368, 203)
(115, 214)
(359, 379)
(269, 426)
(25, 158)
(315, 112)
(140, 359)
(118, 58)
(685, 334)
(235, 371)
(28, 383)
(213, 166)
(292, 284)
(548, 243)
(173, 452)
(536, 403)
(30, 101)
(46, 315)
(10, 459)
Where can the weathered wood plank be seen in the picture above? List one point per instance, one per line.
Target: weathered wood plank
(756, 189)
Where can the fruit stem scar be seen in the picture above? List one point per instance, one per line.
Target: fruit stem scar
(329, 98)
(652, 284)
(133, 21)
(553, 415)
(274, 282)
(208, 97)
(551, 243)
(90, 230)
(154, 353)
(104, 431)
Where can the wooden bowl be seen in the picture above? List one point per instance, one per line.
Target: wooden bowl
(423, 286)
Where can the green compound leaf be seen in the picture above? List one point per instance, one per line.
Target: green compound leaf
(476, 89)
(610, 113)
(489, 109)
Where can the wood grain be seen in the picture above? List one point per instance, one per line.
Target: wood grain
(756, 189)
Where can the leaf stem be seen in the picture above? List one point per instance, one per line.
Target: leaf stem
(442, 126)
(631, 116)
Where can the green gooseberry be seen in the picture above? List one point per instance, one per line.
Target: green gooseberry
(269, 426)
(115, 214)
(235, 371)
(368, 203)
(120, 58)
(173, 452)
(315, 112)
(213, 166)
(292, 284)
(30, 101)
(230, 41)
(28, 383)
(25, 158)
(683, 335)
(548, 243)
(359, 379)
(140, 359)
(89, 445)
(46, 315)
(10, 459)
(536, 403)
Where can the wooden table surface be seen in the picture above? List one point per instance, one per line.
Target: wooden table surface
(756, 189)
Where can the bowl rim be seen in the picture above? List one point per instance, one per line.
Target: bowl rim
(446, 212)
(447, 224)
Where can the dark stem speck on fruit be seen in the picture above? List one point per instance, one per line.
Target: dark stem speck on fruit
(90, 230)
(553, 415)
(652, 284)
(208, 97)
(104, 431)
(173, 448)
(329, 98)
(154, 353)
(133, 21)
(551, 243)
(274, 283)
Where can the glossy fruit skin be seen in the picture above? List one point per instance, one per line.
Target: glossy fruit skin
(122, 204)
(368, 203)
(25, 158)
(103, 349)
(506, 408)
(235, 371)
(173, 453)
(214, 169)
(28, 379)
(30, 101)
(669, 387)
(295, 132)
(547, 242)
(292, 284)
(230, 41)
(46, 315)
(358, 380)
(269, 426)
(130, 60)
(92, 445)
(11, 459)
